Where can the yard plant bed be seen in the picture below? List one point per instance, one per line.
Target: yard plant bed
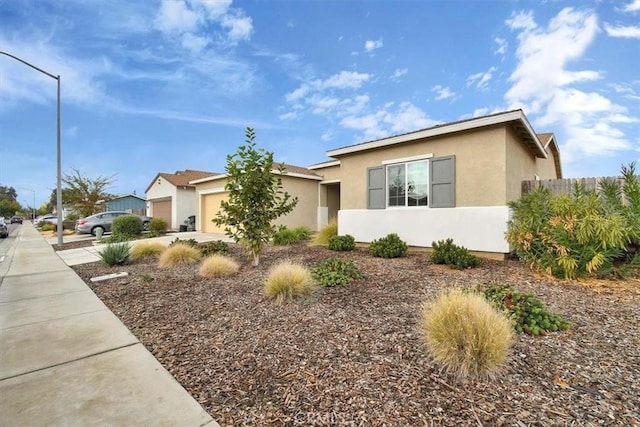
(353, 355)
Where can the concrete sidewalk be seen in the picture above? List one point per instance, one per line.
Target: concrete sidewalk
(66, 360)
(90, 253)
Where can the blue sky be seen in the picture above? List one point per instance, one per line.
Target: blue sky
(158, 86)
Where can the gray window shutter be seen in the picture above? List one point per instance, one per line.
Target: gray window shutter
(442, 182)
(376, 188)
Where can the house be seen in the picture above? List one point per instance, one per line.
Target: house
(171, 197)
(129, 203)
(453, 180)
(298, 181)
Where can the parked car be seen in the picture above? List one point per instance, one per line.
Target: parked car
(103, 220)
(43, 219)
(16, 219)
(4, 230)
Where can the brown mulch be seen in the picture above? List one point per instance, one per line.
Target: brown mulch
(353, 355)
(72, 245)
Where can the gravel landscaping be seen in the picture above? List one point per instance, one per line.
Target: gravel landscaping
(353, 355)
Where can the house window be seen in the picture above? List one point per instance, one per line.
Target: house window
(408, 184)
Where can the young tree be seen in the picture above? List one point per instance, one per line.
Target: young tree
(255, 198)
(83, 194)
(8, 193)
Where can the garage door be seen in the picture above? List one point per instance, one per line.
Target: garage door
(162, 210)
(211, 203)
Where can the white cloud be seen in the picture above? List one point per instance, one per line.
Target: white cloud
(215, 8)
(399, 73)
(240, 26)
(343, 80)
(289, 116)
(194, 43)
(371, 45)
(481, 80)
(542, 85)
(443, 92)
(327, 136)
(322, 105)
(634, 6)
(502, 46)
(175, 16)
(297, 94)
(630, 32)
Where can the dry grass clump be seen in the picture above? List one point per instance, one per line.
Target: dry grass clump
(147, 250)
(465, 334)
(326, 232)
(218, 265)
(287, 281)
(179, 254)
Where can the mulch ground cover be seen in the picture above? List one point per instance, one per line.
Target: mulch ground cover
(353, 355)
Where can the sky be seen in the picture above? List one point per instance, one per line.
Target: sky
(158, 86)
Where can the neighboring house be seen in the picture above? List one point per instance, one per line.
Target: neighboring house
(298, 181)
(129, 203)
(171, 197)
(449, 181)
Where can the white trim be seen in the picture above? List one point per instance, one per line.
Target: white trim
(330, 181)
(212, 191)
(208, 179)
(408, 159)
(324, 164)
(296, 175)
(444, 129)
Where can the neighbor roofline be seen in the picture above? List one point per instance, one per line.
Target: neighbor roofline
(447, 128)
(326, 164)
(274, 171)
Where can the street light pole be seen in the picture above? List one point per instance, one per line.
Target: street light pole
(58, 145)
(34, 202)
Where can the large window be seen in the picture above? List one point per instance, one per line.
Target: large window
(408, 184)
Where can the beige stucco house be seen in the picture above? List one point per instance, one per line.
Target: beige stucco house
(298, 181)
(449, 181)
(170, 196)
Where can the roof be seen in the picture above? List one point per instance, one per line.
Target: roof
(549, 143)
(182, 178)
(291, 170)
(125, 196)
(514, 117)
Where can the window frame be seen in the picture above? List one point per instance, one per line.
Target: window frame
(405, 162)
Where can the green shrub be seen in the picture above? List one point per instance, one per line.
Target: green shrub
(390, 246)
(323, 235)
(115, 254)
(289, 236)
(287, 281)
(188, 242)
(336, 272)
(465, 334)
(218, 266)
(47, 227)
(158, 226)
(147, 250)
(129, 226)
(117, 238)
(179, 254)
(216, 247)
(458, 257)
(342, 243)
(527, 312)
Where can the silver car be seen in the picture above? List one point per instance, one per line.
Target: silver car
(103, 221)
(4, 230)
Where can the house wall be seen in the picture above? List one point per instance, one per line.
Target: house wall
(546, 167)
(521, 165)
(329, 173)
(480, 167)
(478, 229)
(184, 206)
(161, 190)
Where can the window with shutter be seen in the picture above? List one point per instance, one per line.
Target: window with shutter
(376, 188)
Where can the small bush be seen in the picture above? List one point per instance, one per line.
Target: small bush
(336, 272)
(342, 243)
(179, 254)
(217, 247)
(323, 235)
(188, 242)
(527, 312)
(158, 226)
(115, 254)
(47, 227)
(289, 236)
(390, 246)
(458, 257)
(218, 266)
(287, 281)
(147, 250)
(117, 238)
(126, 225)
(465, 334)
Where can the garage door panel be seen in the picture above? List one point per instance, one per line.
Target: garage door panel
(211, 204)
(162, 209)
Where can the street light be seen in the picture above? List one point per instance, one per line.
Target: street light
(59, 168)
(34, 202)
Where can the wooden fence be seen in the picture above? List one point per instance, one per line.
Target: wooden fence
(564, 187)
